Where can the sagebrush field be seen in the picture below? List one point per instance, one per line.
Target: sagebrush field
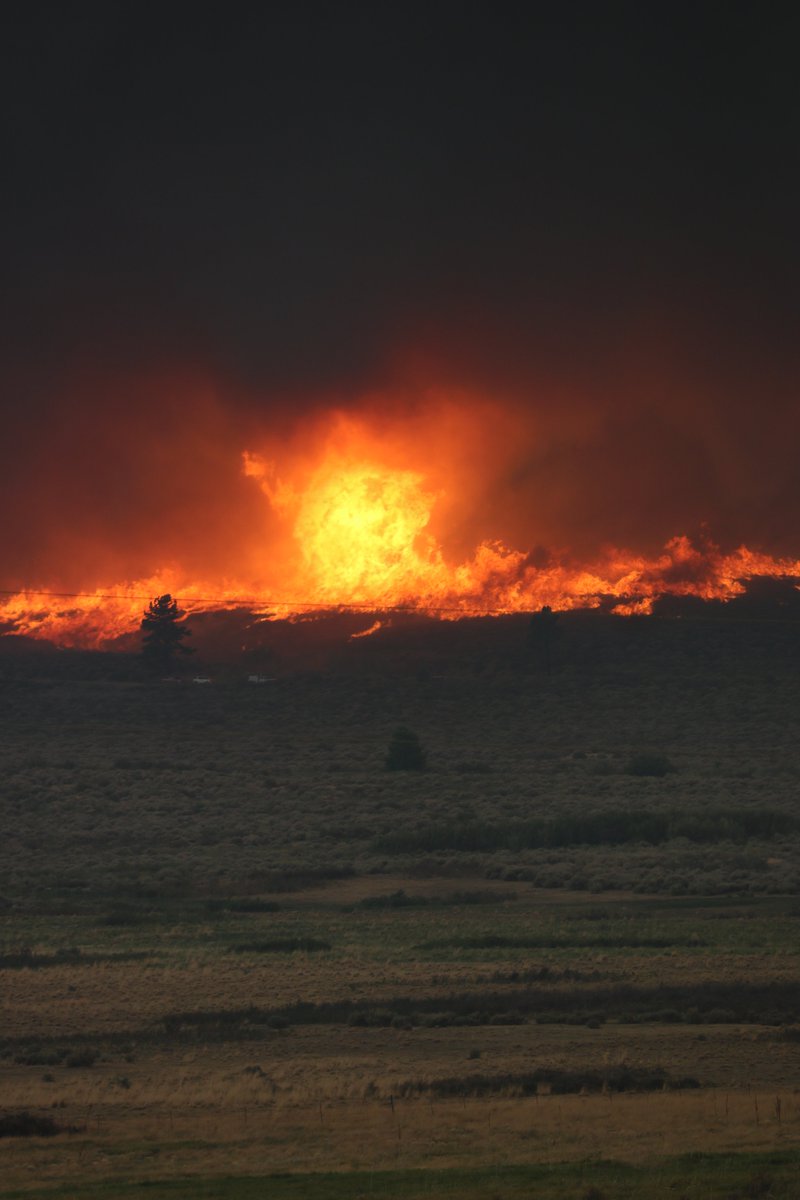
(562, 960)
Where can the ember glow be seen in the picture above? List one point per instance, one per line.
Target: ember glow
(362, 526)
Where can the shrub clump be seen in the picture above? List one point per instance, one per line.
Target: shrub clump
(405, 752)
(81, 1058)
(656, 765)
(604, 827)
(401, 899)
(554, 1080)
(286, 945)
(25, 1124)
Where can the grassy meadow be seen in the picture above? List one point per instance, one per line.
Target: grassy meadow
(240, 957)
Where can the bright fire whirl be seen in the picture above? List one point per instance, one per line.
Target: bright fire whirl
(358, 533)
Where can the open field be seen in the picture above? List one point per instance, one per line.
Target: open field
(226, 788)
(233, 946)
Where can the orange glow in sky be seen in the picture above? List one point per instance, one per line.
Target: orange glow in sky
(360, 518)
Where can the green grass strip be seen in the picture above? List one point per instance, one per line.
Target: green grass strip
(693, 1176)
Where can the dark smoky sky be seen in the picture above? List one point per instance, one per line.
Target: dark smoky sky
(586, 210)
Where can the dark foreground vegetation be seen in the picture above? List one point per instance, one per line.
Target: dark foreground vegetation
(612, 828)
(32, 1125)
(550, 1081)
(728, 1176)
(253, 924)
(654, 754)
(776, 1003)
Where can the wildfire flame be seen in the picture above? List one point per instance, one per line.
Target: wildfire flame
(362, 633)
(359, 534)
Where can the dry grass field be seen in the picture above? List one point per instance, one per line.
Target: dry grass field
(237, 953)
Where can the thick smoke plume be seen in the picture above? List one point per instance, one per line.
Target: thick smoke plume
(553, 280)
(420, 491)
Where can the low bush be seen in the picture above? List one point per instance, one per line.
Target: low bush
(298, 879)
(551, 1079)
(401, 899)
(604, 941)
(710, 1002)
(25, 1124)
(614, 827)
(282, 946)
(405, 752)
(40, 1058)
(36, 1055)
(656, 765)
(72, 956)
(245, 904)
(81, 1058)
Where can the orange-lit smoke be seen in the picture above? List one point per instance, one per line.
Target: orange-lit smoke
(372, 511)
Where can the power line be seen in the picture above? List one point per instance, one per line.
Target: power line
(76, 595)
(249, 601)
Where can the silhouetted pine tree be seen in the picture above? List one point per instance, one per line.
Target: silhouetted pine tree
(164, 633)
(542, 633)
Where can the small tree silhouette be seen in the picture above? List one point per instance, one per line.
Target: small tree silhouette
(164, 633)
(405, 752)
(542, 633)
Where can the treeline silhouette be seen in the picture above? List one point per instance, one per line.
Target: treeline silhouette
(613, 827)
